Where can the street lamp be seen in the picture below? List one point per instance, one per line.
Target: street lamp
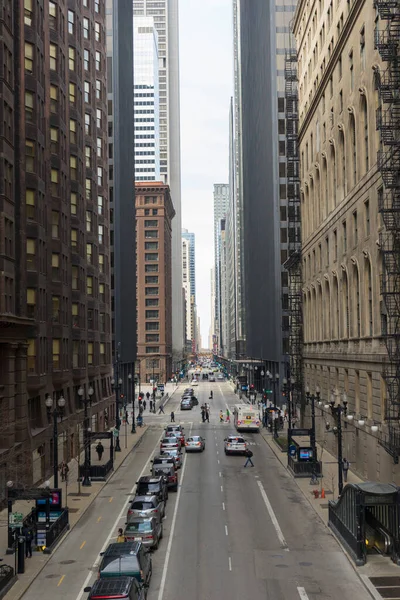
(131, 381)
(86, 438)
(57, 411)
(337, 409)
(116, 384)
(313, 397)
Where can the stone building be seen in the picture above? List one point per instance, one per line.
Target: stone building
(54, 231)
(342, 228)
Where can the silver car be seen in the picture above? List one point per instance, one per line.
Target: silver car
(147, 506)
(235, 444)
(175, 452)
(169, 443)
(149, 531)
(195, 443)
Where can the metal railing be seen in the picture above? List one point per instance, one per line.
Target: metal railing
(56, 529)
(304, 469)
(355, 544)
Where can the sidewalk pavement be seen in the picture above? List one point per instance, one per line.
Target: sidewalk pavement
(77, 498)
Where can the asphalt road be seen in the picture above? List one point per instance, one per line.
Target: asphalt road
(230, 533)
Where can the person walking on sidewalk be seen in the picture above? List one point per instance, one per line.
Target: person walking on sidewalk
(172, 417)
(249, 454)
(151, 405)
(64, 471)
(28, 535)
(161, 410)
(144, 404)
(221, 416)
(99, 450)
(345, 467)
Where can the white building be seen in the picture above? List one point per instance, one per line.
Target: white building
(166, 22)
(221, 204)
(146, 100)
(187, 285)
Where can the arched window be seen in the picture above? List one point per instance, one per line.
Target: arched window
(353, 145)
(335, 307)
(345, 306)
(305, 313)
(327, 311)
(333, 178)
(325, 186)
(321, 315)
(317, 192)
(312, 206)
(343, 161)
(368, 298)
(356, 303)
(364, 117)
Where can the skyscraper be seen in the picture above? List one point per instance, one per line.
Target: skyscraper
(186, 284)
(146, 98)
(189, 283)
(191, 238)
(55, 275)
(221, 203)
(166, 22)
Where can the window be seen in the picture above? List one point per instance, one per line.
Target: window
(99, 176)
(101, 234)
(87, 124)
(29, 99)
(31, 356)
(152, 326)
(344, 231)
(54, 140)
(72, 93)
(152, 314)
(86, 28)
(102, 292)
(100, 204)
(340, 67)
(89, 253)
(53, 99)
(369, 396)
(56, 354)
(72, 131)
(75, 354)
(86, 88)
(75, 278)
(28, 58)
(152, 349)
(53, 15)
(364, 115)
(56, 308)
(351, 71)
(98, 89)
(353, 146)
(281, 126)
(362, 48)
(90, 347)
(97, 32)
(71, 22)
(88, 188)
(151, 269)
(88, 157)
(53, 57)
(97, 6)
(367, 218)
(75, 315)
(28, 13)
(31, 302)
(151, 245)
(55, 266)
(151, 233)
(151, 279)
(151, 223)
(74, 239)
(341, 101)
(101, 263)
(99, 147)
(98, 118)
(30, 204)
(355, 228)
(152, 337)
(73, 167)
(74, 203)
(98, 61)
(86, 59)
(89, 285)
(30, 156)
(71, 58)
(89, 221)
(151, 291)
(151, 256)
(102, 354)
(55, 224)
(151, 302)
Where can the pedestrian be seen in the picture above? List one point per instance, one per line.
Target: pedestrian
(221, 416)
(99, 450)
(207, 416)
(249, 454)
(121, 538)
(211, 395)
(28, 535)
(161, 410)
(203, 414)
(228, 416)
(151, 405)
(345, 467)
(64, 471)
(126, 417)
(148, 395)
(144, 404)
(172, 417)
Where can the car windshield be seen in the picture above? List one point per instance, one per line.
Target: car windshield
(142, 505)
(150, 487)
(236, 440)
(145, 526)
(169, 440)
(195, 438)
(123, 564)
(162, 470)
(162, 461)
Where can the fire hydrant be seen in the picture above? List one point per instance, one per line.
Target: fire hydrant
(316, 493)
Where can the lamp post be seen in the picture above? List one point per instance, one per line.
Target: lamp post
(287, 388)
(269, 378)
(337, 409)
(117, 383)
(57, 411)
(313, 397)
(132, 385)
(86, 438)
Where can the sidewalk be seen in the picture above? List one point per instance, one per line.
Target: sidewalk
(78, 503)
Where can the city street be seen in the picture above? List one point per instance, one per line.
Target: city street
(229, 533)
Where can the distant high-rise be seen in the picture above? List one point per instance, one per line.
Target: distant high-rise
(221, 203)
(189, 283)
(186, 284)
(147, 100)
(166, 22)
(191, 238)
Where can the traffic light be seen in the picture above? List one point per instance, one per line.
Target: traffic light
(121, 396)
(252, 386)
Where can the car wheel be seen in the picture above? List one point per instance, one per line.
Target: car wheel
(155, 546)
(176, 488)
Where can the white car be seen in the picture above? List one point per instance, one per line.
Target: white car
(235, 444)
(195, 382)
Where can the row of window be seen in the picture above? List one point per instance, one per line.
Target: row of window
(98, 353)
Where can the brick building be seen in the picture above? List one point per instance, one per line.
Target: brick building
(55, 325)
(154, 214)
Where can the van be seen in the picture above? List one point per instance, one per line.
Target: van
(129, 559)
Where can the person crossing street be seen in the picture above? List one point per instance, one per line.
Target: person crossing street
(249, 455)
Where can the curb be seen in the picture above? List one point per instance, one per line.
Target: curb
(137, 443)
(360, 576)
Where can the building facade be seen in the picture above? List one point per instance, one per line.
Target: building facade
(221, 204)
(154, 214)
(55, 276)
(186, 283)
(191, 238)
(146, 99)
(166, 21)
(347, 273)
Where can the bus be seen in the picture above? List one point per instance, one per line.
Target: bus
(246, 417)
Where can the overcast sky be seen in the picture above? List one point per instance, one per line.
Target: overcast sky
(206, 76)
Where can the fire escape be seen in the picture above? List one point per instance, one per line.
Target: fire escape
(293, 263)
(387, 41)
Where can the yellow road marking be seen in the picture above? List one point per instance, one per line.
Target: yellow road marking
(111, 499)
(83, 543)
(99, 519)
(61, 580)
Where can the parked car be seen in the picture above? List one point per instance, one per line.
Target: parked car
(186, 404)
(195, 443)
(126, 588)
(189, 391)
(163, 459)
(129, 559)
(174, 434)
(195, 382)
(146, 506)
(178, 431)
(152, 486)
(169, 443)
(176, 453)
(141, 529)
(235, 445)
(169, 473)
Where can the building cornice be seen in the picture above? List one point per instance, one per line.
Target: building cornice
(347, 27)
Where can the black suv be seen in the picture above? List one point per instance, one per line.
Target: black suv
(119, 587)
(149, 485)
(129, 559)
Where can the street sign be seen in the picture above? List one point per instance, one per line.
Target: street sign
(299, 432)
(15, 519)
(161, 387)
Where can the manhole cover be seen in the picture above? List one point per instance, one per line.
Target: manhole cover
(52, 576)
(67, 562)
(76, 494)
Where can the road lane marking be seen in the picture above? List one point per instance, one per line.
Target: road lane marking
(217, 452)
(61, 580)
(81, 546)
(99, 519)
(222, 488)
(230, 563)
(110, 535)
(273, 516)
(302, 593)
(171, 533)
(220, 474)
(111, 499)
(226, 529)
(223, 506)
